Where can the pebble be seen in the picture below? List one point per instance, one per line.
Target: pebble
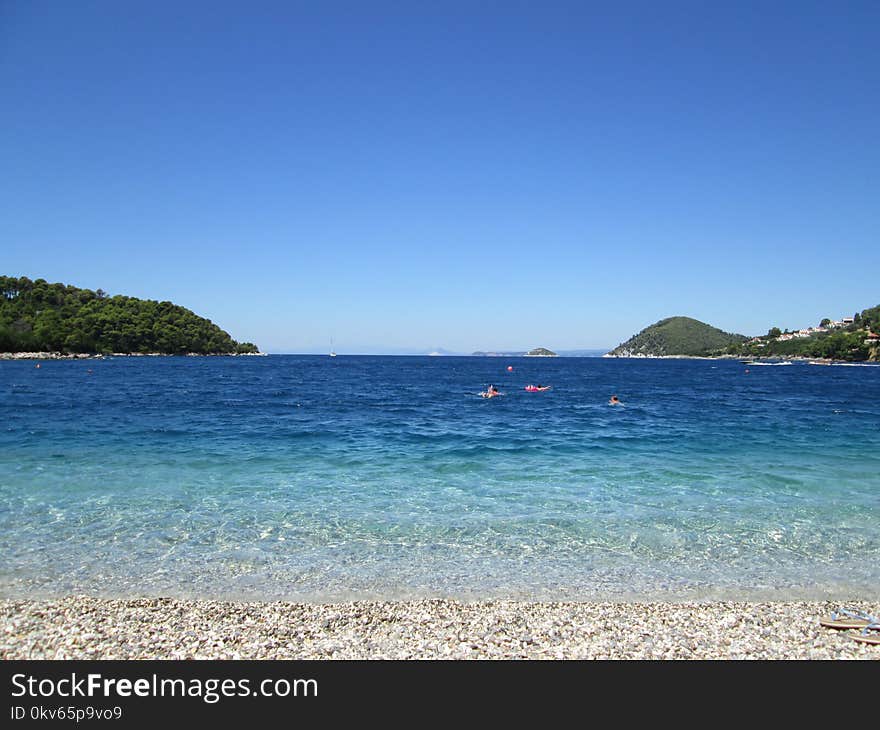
(84, 627)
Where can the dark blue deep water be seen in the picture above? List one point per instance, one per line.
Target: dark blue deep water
(360, 477)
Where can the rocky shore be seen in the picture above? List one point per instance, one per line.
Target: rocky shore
(95, 356)
(48, 356)
(92, 628)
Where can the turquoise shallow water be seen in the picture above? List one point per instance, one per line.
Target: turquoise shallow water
(364, 477)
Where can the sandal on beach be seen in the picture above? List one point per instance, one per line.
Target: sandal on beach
(849, 619)
(868, 638)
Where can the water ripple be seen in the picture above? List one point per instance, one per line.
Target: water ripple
(305, 477)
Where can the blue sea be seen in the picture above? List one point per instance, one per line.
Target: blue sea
(317, 478)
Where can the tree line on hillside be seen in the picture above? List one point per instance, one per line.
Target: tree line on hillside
(39, 316)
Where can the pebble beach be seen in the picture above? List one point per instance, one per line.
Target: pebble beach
(163, 628)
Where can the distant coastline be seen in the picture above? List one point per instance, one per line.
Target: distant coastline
(536, 352)
(12, 356)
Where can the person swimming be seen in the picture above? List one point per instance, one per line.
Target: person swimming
(491, 392)
(615, 401)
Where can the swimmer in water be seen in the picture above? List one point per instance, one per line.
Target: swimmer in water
(615, 401)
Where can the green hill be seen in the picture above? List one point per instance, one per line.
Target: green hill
(38, 316)
(677, 336)
(541, 352)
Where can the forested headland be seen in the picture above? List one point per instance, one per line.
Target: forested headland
(676, 336)
(36, 316)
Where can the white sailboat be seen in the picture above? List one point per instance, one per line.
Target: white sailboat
(332, 352)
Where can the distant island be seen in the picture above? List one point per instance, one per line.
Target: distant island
(36, 316)
(537, 352)
(677, 336)
(852, 339)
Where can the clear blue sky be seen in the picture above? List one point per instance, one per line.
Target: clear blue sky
(476, 175)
